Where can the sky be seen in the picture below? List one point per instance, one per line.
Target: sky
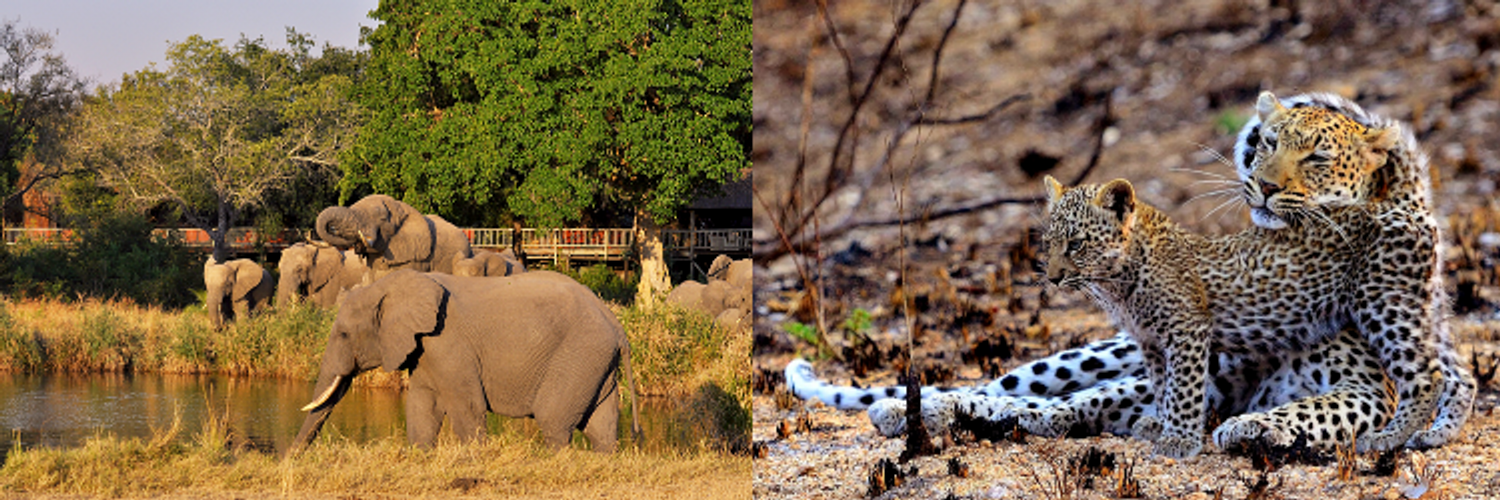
(104, 39)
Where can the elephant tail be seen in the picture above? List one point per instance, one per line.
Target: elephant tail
(635, 393)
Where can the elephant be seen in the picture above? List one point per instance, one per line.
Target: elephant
(520, 346)
(235, 288)
(318, 271)
(487, 263)
(728, 291)
(392, 235)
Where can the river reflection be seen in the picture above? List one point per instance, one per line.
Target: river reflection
(65, 410)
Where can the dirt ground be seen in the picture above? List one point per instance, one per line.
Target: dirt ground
(1027, 88)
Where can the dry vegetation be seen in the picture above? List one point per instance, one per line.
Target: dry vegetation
(506, 465)
(1081, 90)
(676, 354)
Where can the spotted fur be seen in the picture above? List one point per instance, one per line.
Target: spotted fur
(1301, 156)
(1072, 384)
(1183, 296)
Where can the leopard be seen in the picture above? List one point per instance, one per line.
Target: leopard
(1084, 387)
(1301, 156)
(1207, 327)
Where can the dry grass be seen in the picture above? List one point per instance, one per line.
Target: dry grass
(675, 352)
(509, 465)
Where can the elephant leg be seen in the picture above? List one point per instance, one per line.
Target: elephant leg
(423, 419)
(466, 418)
(602, 427)
(565, 397)
(241, 309)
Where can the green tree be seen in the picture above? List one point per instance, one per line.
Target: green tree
(220, 130)
(38, 92)
(537, 112)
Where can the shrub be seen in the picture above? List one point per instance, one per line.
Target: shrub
(606, 283)
(110, 256)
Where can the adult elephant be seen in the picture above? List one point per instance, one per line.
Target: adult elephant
(522, 346)
(317, 271)
(234, 289)
(487, 263)
(392, 235)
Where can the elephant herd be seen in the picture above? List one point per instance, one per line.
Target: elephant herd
(355, 246)
(474, 331)
(726, 295)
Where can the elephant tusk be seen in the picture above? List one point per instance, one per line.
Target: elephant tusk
(326, 394)
(368, 242)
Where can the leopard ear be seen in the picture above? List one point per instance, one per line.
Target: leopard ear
(1054, 189)
(1267, 105)
(1383, 138)
(1117, 196)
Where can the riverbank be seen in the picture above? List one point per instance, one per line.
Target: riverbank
(675, 354)
(508, 464)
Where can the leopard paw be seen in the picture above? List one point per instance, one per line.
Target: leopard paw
(1178, 446)
(1243, 430)
(1147, 428)
(1427, 439)
(888, 416)
(1381, 440)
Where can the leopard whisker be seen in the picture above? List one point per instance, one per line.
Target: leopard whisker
(1216, 154)
(1217, 192)
(1233, 200)
(1204, 173)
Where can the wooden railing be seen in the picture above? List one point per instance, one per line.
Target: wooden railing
(239, 238)
(554, 244)
(709, 240)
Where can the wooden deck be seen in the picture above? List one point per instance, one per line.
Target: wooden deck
(556, 245)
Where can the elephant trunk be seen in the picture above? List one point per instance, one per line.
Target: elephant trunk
(343, 228)
(214, 300)
(329, 393)
(288, 289)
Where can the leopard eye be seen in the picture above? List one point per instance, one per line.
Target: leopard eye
(1270, 142)
(1317, 157)
(1072, 248)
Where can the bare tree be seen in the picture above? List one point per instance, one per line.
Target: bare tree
(38, 94)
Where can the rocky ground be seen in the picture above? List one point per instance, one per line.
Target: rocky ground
(1147, 91)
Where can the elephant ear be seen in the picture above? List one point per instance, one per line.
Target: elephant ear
(410, 306)
(247, 276)
(323, 265)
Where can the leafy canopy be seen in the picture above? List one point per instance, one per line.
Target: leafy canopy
(220, 129)
(539, 111)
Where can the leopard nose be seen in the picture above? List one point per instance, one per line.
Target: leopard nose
(1268, 189)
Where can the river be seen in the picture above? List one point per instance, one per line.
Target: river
(262, 413)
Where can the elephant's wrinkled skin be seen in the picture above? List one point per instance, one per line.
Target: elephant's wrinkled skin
(235, 288)
(527, 345)
(318, 272)
(487, 263)
(392, 235)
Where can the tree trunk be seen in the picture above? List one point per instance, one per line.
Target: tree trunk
(220, 234)
(654, 282)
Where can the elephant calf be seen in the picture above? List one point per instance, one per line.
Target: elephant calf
(235, 288)
(318, 271)
(487, 263)
(531, 345)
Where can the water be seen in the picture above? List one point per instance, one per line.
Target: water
(264, 414)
